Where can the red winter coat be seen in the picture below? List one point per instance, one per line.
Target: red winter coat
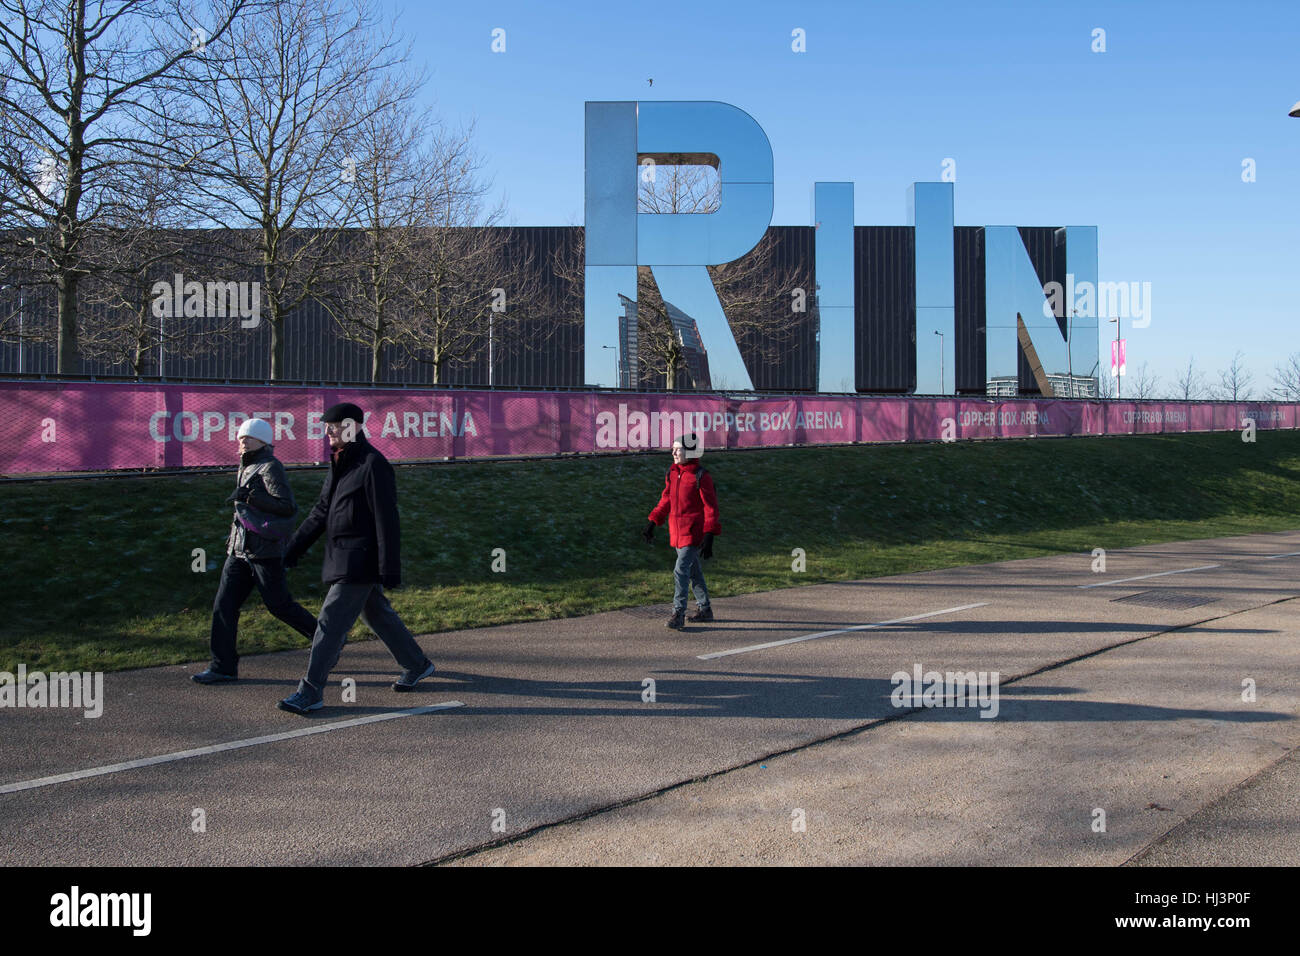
(689, 504)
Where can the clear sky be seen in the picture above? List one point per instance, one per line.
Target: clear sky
(1146, 140)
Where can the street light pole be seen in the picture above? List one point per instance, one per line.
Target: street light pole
(1069, 348)
(942, 379)
(617, 383)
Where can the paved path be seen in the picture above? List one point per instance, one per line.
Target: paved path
(1120, 692)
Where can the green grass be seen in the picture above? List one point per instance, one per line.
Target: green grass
(97, 573)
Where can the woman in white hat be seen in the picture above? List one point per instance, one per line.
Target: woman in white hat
(262, 523)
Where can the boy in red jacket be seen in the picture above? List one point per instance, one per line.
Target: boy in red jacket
(691, 507)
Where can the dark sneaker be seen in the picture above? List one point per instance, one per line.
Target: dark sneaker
(210, 676)
(677, 620)
(701, 614)
(410, 678)
(304, 700)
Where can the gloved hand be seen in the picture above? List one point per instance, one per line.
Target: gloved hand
(390, 581)
(706, 550)
(241, 494)
(290, 560)
(649, 532)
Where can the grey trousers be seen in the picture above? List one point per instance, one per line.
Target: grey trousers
(343, 604)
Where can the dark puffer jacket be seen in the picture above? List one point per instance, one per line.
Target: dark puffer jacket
(357, 513)
(269, 492)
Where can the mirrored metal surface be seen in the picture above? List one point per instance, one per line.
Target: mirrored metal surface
(667, 239)
(610, 205)
(935, 351)
(1011, 287)
(930, 213)
(1081, 273)
(690, 290)
(724, 130)
(833, 220)
(606, 293)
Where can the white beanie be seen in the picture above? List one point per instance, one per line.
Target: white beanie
(258, 428)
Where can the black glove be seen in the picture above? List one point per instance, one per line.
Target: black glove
(390, 581)
(290, 560)
(706, 550)
(241, 494)
(649, 532)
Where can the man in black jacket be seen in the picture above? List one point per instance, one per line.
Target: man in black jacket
(357, 513)
(263, 503)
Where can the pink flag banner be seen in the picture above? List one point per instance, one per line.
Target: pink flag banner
(52, 427)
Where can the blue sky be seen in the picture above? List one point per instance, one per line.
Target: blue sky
(1146, 140)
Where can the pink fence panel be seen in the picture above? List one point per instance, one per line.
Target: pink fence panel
(50, 427)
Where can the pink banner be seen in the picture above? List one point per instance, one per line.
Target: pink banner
(53, 427)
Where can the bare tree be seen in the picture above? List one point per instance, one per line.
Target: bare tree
(144, 241)
(1286, 377)
(1106, 385)
(279, 114)
(82, 85)
(1145, 385)
(1234, 381)
(1190, 385)
(389, 172)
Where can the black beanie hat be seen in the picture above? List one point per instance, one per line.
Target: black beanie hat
(336, 413)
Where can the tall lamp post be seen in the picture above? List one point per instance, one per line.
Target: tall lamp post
(1069, 348)
(942, 389)
(617, 383)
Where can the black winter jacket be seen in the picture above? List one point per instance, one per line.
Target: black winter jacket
(262, 473)
(357, 513)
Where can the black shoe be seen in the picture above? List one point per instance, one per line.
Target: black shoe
(410, 678)
(701, 614)
(678, 620)
(304, 700)
(210, 676)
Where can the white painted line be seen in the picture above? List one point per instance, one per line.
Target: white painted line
(1289, 554)
(221, 748)
(1143, 577)
(842, 630)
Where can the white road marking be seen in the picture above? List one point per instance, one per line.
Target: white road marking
(1289, 554)
(1143, 577)
(221, 748)
(842, 630)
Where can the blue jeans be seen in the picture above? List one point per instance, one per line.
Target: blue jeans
(688, 574)
(343, 604)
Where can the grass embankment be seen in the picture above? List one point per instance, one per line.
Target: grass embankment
(97, 574)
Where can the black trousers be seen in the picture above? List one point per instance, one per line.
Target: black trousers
(238, 578)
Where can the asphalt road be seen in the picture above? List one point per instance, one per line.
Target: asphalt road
(1122, 734)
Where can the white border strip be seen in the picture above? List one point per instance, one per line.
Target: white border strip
(1289, 554)
(1143, 577)
(222, 748)
(843, 630)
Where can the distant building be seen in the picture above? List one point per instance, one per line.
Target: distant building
(1063, 386)
(696, 356)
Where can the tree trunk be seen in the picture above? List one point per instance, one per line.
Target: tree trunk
(277, 342)
(377, 357)
(69, 359)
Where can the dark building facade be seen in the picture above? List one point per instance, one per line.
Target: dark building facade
(545, 349)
